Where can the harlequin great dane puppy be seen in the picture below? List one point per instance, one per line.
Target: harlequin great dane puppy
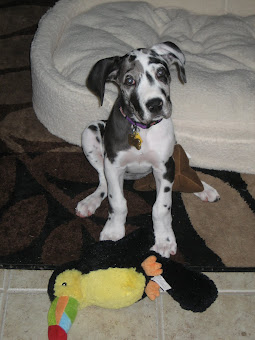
(137, 138)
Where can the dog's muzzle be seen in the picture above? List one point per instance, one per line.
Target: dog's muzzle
(158, 108)
(155, 105)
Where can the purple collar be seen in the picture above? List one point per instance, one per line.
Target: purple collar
(143, 126)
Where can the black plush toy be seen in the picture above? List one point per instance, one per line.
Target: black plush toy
(117, 274)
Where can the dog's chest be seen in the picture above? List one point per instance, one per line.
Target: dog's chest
(156, 147)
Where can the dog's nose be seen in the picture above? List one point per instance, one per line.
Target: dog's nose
(154, 105)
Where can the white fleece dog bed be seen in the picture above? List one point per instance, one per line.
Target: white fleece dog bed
(213, 114)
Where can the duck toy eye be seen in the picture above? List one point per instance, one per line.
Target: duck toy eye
(64, 284)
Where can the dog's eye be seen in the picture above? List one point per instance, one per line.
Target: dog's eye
(161, 72)
(129, 80)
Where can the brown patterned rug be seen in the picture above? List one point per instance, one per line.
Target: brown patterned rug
(43, 178)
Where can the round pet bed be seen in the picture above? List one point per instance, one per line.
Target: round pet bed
(213, 114)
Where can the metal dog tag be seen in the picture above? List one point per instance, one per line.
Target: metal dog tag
(134, 139)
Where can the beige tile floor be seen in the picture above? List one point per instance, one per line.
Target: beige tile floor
(24, 305)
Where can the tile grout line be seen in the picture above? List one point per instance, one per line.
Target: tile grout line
(26, 290)
(236, 291)
(6, 284)
(4, 311)
(226, 7)
(157, 317)
(161, 334)
(159, 331)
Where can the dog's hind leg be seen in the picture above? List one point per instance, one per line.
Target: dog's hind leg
(92, 144)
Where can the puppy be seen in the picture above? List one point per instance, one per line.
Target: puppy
(137, 138)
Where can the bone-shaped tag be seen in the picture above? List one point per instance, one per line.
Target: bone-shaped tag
(135, 140)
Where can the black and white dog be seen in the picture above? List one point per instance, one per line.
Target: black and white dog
(137, 138)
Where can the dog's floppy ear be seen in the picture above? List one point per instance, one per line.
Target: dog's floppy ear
(172, 54)
(104, 70)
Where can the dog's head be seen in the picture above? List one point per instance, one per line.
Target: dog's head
(143, 76)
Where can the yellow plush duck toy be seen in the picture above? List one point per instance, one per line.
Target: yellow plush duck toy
(108, 288)
(118, 274)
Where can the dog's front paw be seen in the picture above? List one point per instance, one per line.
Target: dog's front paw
(112, 232)
(165, 248)
(209, 194)
(88, 206)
